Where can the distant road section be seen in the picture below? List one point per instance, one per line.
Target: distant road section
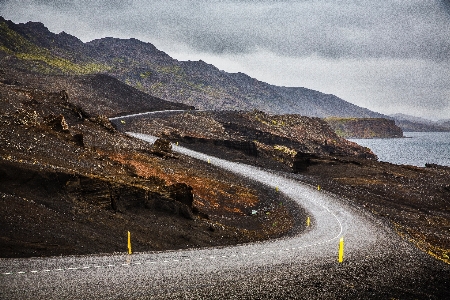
(165, 112)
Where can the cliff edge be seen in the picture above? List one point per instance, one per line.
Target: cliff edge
(364, 128)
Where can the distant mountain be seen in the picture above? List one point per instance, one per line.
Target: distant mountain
(405, 117)
(415, 124)
(444, 123)
(32, 46)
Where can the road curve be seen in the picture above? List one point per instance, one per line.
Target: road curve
(304, 265)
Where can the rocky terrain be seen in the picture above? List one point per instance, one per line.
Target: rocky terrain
(72, 184)
(364, 128)
(413, 200)
(290, 139)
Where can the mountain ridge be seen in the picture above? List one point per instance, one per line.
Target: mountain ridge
(143, 66)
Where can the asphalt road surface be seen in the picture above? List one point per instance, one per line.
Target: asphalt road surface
(377, 262)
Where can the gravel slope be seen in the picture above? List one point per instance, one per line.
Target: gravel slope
(378, 264)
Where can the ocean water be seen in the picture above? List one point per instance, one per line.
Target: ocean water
(416, 149)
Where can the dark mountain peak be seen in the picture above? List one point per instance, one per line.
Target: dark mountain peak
(199, 65)
(41, 36)
(31, 29)
(30, 26)
(132, 43)
(132, 48)
(68, 37)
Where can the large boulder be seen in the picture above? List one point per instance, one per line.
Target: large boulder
(163, 147)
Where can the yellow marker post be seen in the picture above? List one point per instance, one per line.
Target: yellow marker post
(308, 222)
(276, 188)
(129, 243)
(318, 187)
(341, 250)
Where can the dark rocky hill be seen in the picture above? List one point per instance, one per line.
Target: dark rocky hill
(97, 94)
(144, 67)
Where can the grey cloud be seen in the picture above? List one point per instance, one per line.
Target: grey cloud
(344, 29)
(67, 4)
(358, 29)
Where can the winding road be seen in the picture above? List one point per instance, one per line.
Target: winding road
(377, 263)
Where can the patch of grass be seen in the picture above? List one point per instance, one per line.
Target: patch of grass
(341, 120)
(62, 64)
(145, 74)
(285, 149)
(420, 241)
(171, 70)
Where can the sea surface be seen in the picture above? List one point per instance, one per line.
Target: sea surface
(416, 149)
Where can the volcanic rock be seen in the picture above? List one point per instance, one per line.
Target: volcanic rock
(57, 123)
(163, 147)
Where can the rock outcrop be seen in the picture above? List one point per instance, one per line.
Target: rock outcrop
(365, 128)
(57, 123)
(293, 140)
(246, 147)
(163, 148)
(99, 194)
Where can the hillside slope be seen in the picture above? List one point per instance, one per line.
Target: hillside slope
(72, 184)
(144, 67)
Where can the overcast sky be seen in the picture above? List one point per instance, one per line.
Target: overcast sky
(391, 56)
